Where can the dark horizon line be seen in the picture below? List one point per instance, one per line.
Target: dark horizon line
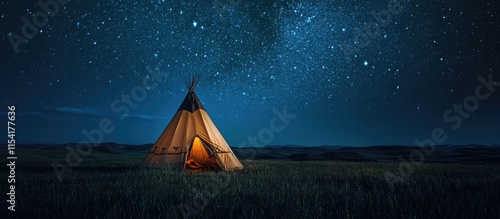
(272, 145)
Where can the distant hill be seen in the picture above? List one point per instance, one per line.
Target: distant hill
(442, 153)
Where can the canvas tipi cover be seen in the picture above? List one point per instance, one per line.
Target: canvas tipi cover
(192, 136)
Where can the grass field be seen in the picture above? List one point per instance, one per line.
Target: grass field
(264, 189)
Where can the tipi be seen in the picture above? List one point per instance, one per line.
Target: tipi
(191, 142)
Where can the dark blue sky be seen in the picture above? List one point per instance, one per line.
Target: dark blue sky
(353, 72)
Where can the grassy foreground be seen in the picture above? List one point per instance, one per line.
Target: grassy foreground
(264, 189)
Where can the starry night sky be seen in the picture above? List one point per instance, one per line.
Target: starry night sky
(390, 87)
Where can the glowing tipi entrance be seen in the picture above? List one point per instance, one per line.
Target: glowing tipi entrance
(199, 156)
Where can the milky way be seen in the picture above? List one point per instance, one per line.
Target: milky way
(354, 72)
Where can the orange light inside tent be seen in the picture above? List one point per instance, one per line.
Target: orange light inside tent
(199, 153)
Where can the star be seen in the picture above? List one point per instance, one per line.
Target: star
(309, 56)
